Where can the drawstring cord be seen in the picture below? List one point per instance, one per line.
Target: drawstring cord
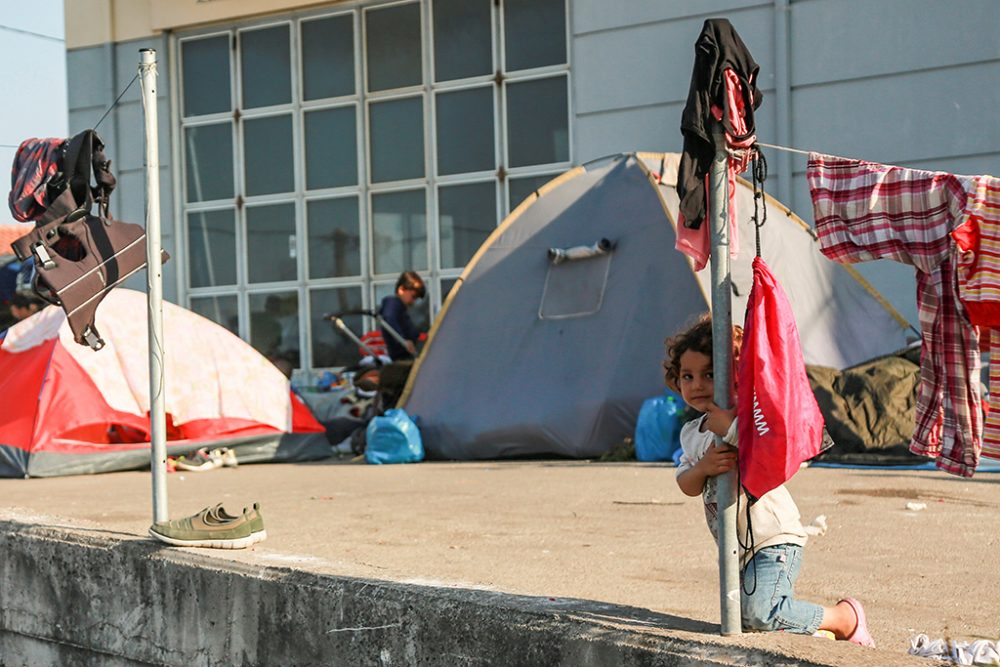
(759, 175)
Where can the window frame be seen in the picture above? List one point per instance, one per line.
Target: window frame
(361, 99)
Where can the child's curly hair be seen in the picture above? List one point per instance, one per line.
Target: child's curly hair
(697, 337)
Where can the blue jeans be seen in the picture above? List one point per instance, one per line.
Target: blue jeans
(771, 605)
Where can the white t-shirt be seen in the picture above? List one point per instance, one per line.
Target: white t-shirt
(774, 518)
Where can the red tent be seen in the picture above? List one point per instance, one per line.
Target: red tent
(66, 409)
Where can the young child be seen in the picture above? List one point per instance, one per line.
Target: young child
(768, 572)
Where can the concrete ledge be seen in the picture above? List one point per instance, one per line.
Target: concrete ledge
(71, 596)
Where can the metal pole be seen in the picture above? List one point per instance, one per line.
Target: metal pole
(722, 348)
(154, 283)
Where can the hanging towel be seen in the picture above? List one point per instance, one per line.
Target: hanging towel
(868, 211)
(780, 423)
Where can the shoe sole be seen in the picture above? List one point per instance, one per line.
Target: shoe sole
(218, 543)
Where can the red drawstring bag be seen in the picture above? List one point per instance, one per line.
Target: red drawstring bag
(780, 424)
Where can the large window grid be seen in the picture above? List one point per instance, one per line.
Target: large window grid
(462, 175)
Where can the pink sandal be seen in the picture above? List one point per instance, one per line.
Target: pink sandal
(860, 636)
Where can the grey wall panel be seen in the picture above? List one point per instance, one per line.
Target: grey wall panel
(847, 39)
(610, 73)
(590, 15)
(88, 76)
(131, 137)
(902, 118)
(653, 128)
(651, 64)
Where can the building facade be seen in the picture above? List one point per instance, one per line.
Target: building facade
(310, 151)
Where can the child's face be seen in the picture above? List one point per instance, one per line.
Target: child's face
(696, 381)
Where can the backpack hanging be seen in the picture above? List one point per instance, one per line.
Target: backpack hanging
(781, 424)
(79, 257)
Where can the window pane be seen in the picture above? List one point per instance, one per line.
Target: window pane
(399, 223)
(446, 286)
(271, 249)
(393, 40)
(328, 57)
(536, 33)
(220, 309)
(330, 347)
(537, 130)
(520, 188)
(267, 67)
(205, 66)
(397, 139)
(267, 155)
(465, 131)
(331, 148)
(467, 215)
(274, 326)
(334, 238)
(463, 43)
(211, 248)
(209, 163)
(419, 312)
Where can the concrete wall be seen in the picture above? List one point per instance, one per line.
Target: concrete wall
(79, 598)
(96, 76)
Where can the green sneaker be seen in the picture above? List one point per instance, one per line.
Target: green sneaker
(256, 520)
(204, 530)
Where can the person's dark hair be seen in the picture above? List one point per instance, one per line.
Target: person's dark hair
(24, 301)
(697, 337)
(411, 280)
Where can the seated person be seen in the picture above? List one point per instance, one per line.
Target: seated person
(409, 289)
(23, 306)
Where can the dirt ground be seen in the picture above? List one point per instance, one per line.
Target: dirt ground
(611, 532)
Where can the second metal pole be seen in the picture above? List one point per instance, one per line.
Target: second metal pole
(154, 282)
(722, 348)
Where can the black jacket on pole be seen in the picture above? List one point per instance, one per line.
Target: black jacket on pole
(718, 48)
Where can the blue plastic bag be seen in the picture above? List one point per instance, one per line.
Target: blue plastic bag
(658, 428)
(393, 438)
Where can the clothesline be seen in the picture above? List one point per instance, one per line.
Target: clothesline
(808, 153)
(838, 157)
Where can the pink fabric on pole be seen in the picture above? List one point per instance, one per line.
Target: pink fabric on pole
(780, 424)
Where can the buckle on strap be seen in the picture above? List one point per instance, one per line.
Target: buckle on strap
(43, 256)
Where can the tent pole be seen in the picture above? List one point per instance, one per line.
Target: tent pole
(154, 282)
(722, 348)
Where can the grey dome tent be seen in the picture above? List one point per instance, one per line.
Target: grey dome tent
(553, 335)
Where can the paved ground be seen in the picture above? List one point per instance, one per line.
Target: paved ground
(620, 533)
